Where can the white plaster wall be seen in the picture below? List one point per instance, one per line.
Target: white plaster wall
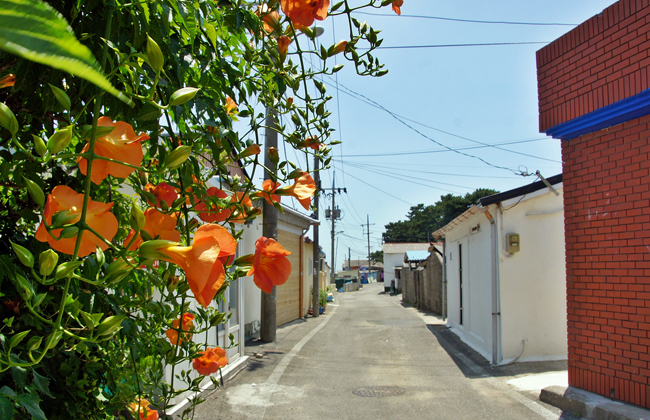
(252, 294)
(533, 280)
(476, 328)
(390, 261)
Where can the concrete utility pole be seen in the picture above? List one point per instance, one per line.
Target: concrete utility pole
(334, 213)
(269, 230)
(368, 233)
(333, 269)
(316, 256)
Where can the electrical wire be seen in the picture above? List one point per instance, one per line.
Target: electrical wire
(401, 119)
(493, 22)
(410, 170)
(410, 179)
(419, 152)
(483, 44)
(378, 189)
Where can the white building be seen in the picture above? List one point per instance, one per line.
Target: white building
(394, 259)
(505, 274)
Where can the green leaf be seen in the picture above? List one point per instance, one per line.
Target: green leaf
(16, 339)
(6, 409)
(33, 30)
(43, 384)
(5, 390)
(30, 403)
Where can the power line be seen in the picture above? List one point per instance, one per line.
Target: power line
(392, 114)
(401, 119)
(378, 189)
(429, 172)
(419, 152)
(410, 179)
(484, 44)
(493, 22)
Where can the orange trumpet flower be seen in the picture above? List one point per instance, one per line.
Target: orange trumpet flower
(188, 325)
(163, 192)
(158, 225)
(270, 266)
(120, 144)
(303, 189)
(396, 6)
(141, 409)
(240, 216)
(202, 261)
(98, 217)
(303, 12)
(214, 213)
(210, 361)
(268, 188)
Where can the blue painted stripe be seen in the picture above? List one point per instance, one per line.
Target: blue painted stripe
(619, 112)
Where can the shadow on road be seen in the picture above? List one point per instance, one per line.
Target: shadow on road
(461, 353)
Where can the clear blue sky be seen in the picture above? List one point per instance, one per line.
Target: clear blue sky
(446, 98)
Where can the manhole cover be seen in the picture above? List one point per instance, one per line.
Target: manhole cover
(378, 391)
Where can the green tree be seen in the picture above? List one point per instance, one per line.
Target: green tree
(377, 256)
(422, 220)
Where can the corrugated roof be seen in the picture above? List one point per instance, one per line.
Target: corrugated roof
(417, 255)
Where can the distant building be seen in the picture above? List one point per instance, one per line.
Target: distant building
(394, 254)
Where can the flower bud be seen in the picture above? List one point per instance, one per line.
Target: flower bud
(250, 151)
(273, 155)
(47, 261)
(137, 219)
(154, 54)
(339, 47)
(69, 232)
(23, 255)
(65, 269)
(151, 249)
(39, 145)
(110, 325)
(62, 218)
(283, 46)
(177, 157)
(35, 192)
(8, 119)
(182, 96)
(62, 97)
(60, 140)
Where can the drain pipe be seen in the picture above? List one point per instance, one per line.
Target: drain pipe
(444, 279)
(496, 306)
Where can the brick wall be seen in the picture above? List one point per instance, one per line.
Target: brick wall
(607, 229)
(606, 177)
(602, 61)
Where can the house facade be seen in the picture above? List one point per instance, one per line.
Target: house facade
(293, 297)
(394, 259)
(593, 94)
(506, 299)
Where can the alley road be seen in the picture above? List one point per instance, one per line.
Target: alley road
(368, 339)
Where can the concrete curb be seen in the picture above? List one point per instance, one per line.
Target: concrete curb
(591, 406)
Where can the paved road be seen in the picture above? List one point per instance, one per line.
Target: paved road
(368, 339)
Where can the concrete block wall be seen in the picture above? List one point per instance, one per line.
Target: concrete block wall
(606, 198)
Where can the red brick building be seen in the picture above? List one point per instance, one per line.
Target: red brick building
(593, 94)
